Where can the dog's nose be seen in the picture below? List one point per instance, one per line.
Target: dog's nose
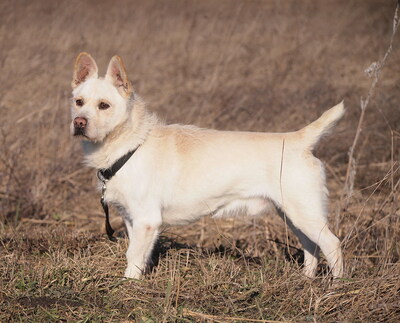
(80, 122)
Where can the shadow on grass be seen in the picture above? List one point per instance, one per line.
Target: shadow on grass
(289, 253)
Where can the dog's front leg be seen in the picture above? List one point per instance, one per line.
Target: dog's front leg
(142, 234)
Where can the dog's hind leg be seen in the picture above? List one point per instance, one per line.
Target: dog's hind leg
(312, 230)
(311, 226)
(304, 202)
(319, 233)
(142, 234)
(311, 249)
(311, 254)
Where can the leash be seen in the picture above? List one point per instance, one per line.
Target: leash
(104, 175)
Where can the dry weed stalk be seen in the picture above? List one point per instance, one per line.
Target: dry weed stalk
(374, 72)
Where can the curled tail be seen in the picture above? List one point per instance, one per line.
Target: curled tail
(315, 130)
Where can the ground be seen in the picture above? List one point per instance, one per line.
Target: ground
(237, 65)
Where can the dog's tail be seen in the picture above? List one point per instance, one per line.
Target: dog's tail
(320, 127)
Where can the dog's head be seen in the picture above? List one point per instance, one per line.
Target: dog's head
(98, 105)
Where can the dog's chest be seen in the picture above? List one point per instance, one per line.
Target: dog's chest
(114, 194)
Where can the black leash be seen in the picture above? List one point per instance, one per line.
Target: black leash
(110, 231)
(104, 175)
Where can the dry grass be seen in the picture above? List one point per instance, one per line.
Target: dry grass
(249, 65)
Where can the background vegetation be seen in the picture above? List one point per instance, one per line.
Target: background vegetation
(237, 65)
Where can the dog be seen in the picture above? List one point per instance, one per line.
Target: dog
(176, 174)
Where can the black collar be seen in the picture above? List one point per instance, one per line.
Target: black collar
(105, 174)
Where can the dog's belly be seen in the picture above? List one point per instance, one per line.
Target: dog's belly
(218, 208)
(249, 206)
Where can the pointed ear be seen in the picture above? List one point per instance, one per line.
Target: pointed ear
(116, 73)
(85, 68)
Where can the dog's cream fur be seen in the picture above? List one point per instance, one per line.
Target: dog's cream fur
(182, 173)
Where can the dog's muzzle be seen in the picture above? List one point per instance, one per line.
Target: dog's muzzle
(80, 126)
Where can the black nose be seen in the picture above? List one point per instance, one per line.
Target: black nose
(80, 123)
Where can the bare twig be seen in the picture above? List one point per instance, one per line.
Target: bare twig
(374, 72)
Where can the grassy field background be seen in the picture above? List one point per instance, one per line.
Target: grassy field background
(237, 65)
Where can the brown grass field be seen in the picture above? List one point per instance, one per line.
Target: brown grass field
(238, 65)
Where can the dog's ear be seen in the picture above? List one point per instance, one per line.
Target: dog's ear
(116, 73)
(85, 68)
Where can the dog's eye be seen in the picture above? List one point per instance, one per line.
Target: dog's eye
(103, 106)
(79, 102)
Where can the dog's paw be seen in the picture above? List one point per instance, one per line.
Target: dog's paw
(309, 271)
(133, 272)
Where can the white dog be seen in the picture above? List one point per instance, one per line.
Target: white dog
(173, 174)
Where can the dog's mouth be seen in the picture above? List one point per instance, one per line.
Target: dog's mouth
(79, 132)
